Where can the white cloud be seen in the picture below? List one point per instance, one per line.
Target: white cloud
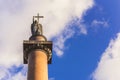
(102, 23)
(16, 18)
(13, 72)
(60, 40)
(4, 74)
(109, 65)
(51, 78)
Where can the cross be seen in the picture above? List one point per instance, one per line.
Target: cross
(37, 17)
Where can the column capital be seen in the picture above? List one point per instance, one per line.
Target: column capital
(29, 45)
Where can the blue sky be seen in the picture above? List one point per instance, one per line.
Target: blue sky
(81, 58)
(85, 34)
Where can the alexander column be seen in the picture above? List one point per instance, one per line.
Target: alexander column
(37, 52)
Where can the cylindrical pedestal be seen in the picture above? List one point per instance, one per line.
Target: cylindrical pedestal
(37, 65)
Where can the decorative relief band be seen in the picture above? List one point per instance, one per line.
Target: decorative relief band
(40, 47)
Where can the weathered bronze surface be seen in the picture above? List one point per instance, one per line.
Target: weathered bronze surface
(36, 27)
